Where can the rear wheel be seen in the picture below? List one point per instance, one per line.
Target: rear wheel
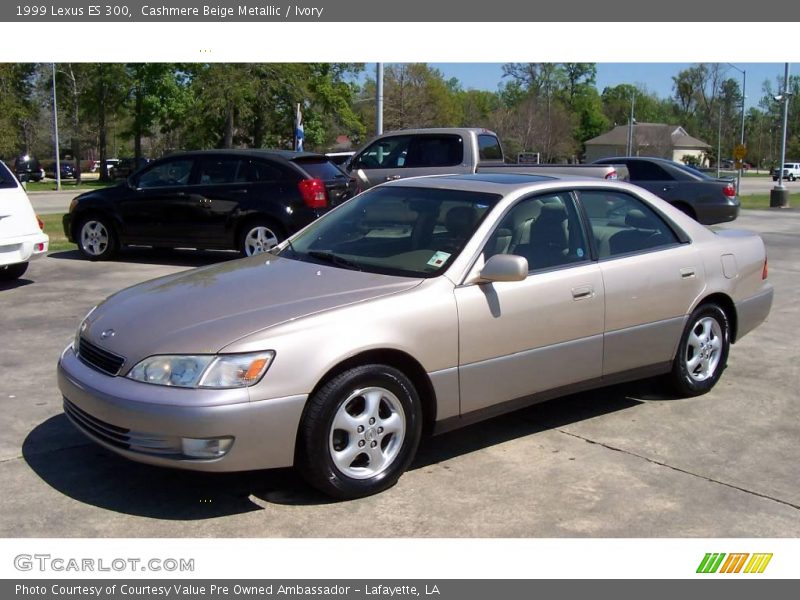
(12, 272)
(96, 238)
(703, 351)
(258, 237)
(360, 432)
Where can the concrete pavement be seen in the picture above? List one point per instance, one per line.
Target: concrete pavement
(626, 461)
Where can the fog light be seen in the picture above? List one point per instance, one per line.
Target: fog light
(210, 448)
(40, 247)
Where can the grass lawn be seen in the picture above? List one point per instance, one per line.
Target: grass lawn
(67, 185)
(755, 201)
(53, 228)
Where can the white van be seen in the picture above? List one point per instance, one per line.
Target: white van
(21, 235)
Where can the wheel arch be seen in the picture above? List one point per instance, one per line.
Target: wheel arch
(79, 217)
(726, 303)
(401, 361)
(685, 208)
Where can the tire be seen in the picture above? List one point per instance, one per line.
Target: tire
(360, 432)
(12, 272)
(702, 352)
(258, 237)
(96, 239)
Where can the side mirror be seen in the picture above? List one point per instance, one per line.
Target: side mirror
(504, 267)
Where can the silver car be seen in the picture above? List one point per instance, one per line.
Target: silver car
(419, 306)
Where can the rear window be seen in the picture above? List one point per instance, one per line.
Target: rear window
(7, 180)
(489, 148)
(320, 169)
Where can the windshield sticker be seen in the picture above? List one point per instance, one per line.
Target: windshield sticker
(438, 259)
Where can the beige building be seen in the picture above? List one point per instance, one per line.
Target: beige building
(649, 139)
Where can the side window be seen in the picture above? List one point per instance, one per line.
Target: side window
(166, 174)
(641, 170)
(435, 151)
(489, 148)
(217, 170)
(386, 153)
(258, 171)
(546, 230)
(622, 224)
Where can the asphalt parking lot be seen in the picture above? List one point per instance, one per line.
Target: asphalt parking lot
(625, 461)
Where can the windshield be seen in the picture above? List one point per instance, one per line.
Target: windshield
(413, 232)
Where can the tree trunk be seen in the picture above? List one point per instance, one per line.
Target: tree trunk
(101, 125)
(227, 141)
(137, 126)
(76, 124)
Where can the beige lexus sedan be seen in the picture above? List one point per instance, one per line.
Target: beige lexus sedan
(416, 307)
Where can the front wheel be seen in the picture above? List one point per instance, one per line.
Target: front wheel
(96, 238)
(360, 432)
(702, 352)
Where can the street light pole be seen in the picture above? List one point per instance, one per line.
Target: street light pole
(779, 195)
(55, 131)
(741, 140)
(379, 99)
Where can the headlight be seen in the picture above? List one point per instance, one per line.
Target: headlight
(207, 371)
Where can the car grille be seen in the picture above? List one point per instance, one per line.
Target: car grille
(99, 359)
(110, 434)
(120, 437)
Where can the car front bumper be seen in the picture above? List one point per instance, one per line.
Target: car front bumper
(23, 248)
(147, 423)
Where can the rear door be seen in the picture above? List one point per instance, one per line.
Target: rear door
(650, 276)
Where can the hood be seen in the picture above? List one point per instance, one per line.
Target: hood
(203, 310)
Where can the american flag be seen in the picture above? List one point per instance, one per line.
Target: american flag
(298, 131)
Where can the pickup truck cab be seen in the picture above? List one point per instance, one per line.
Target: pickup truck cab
(447, 150)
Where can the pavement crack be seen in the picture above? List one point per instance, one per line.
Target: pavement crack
(679, 470)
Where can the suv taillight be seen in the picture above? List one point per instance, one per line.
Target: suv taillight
(40, 222)
(313, 193)
(729, 190)
(765, 270)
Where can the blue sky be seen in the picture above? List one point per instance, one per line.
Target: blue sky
(656, 77)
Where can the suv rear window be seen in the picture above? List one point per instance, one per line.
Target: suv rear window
(319, 169)
(7, 180)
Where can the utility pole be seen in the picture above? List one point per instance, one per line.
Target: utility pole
(379, 99)
(631, 122)
(55, 132)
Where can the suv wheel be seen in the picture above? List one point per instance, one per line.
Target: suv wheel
(96, 238)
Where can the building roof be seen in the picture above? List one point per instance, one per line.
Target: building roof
(649, 134)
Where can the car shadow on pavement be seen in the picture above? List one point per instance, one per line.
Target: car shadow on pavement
(88, 473)
(80, 469)
(14, 284)
(158, 256)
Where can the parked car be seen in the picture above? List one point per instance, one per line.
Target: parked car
(127, 166)
(111, 163)
(22, 238)
(700, 196)
(418, 306)
(246, 200)
(791, 172)
(448, 150)
(66, 169)
(27, 168)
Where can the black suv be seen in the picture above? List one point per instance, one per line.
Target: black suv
(28, 168)
(245, 200)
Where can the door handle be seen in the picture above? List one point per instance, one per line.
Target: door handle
(582, 292)
(392, 177)
(687, 272)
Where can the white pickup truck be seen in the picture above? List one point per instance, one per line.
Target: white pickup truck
(449, 150)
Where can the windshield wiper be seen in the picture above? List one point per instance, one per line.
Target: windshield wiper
(334, 259)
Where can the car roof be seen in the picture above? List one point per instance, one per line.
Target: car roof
(495, 183)
(250, 152)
